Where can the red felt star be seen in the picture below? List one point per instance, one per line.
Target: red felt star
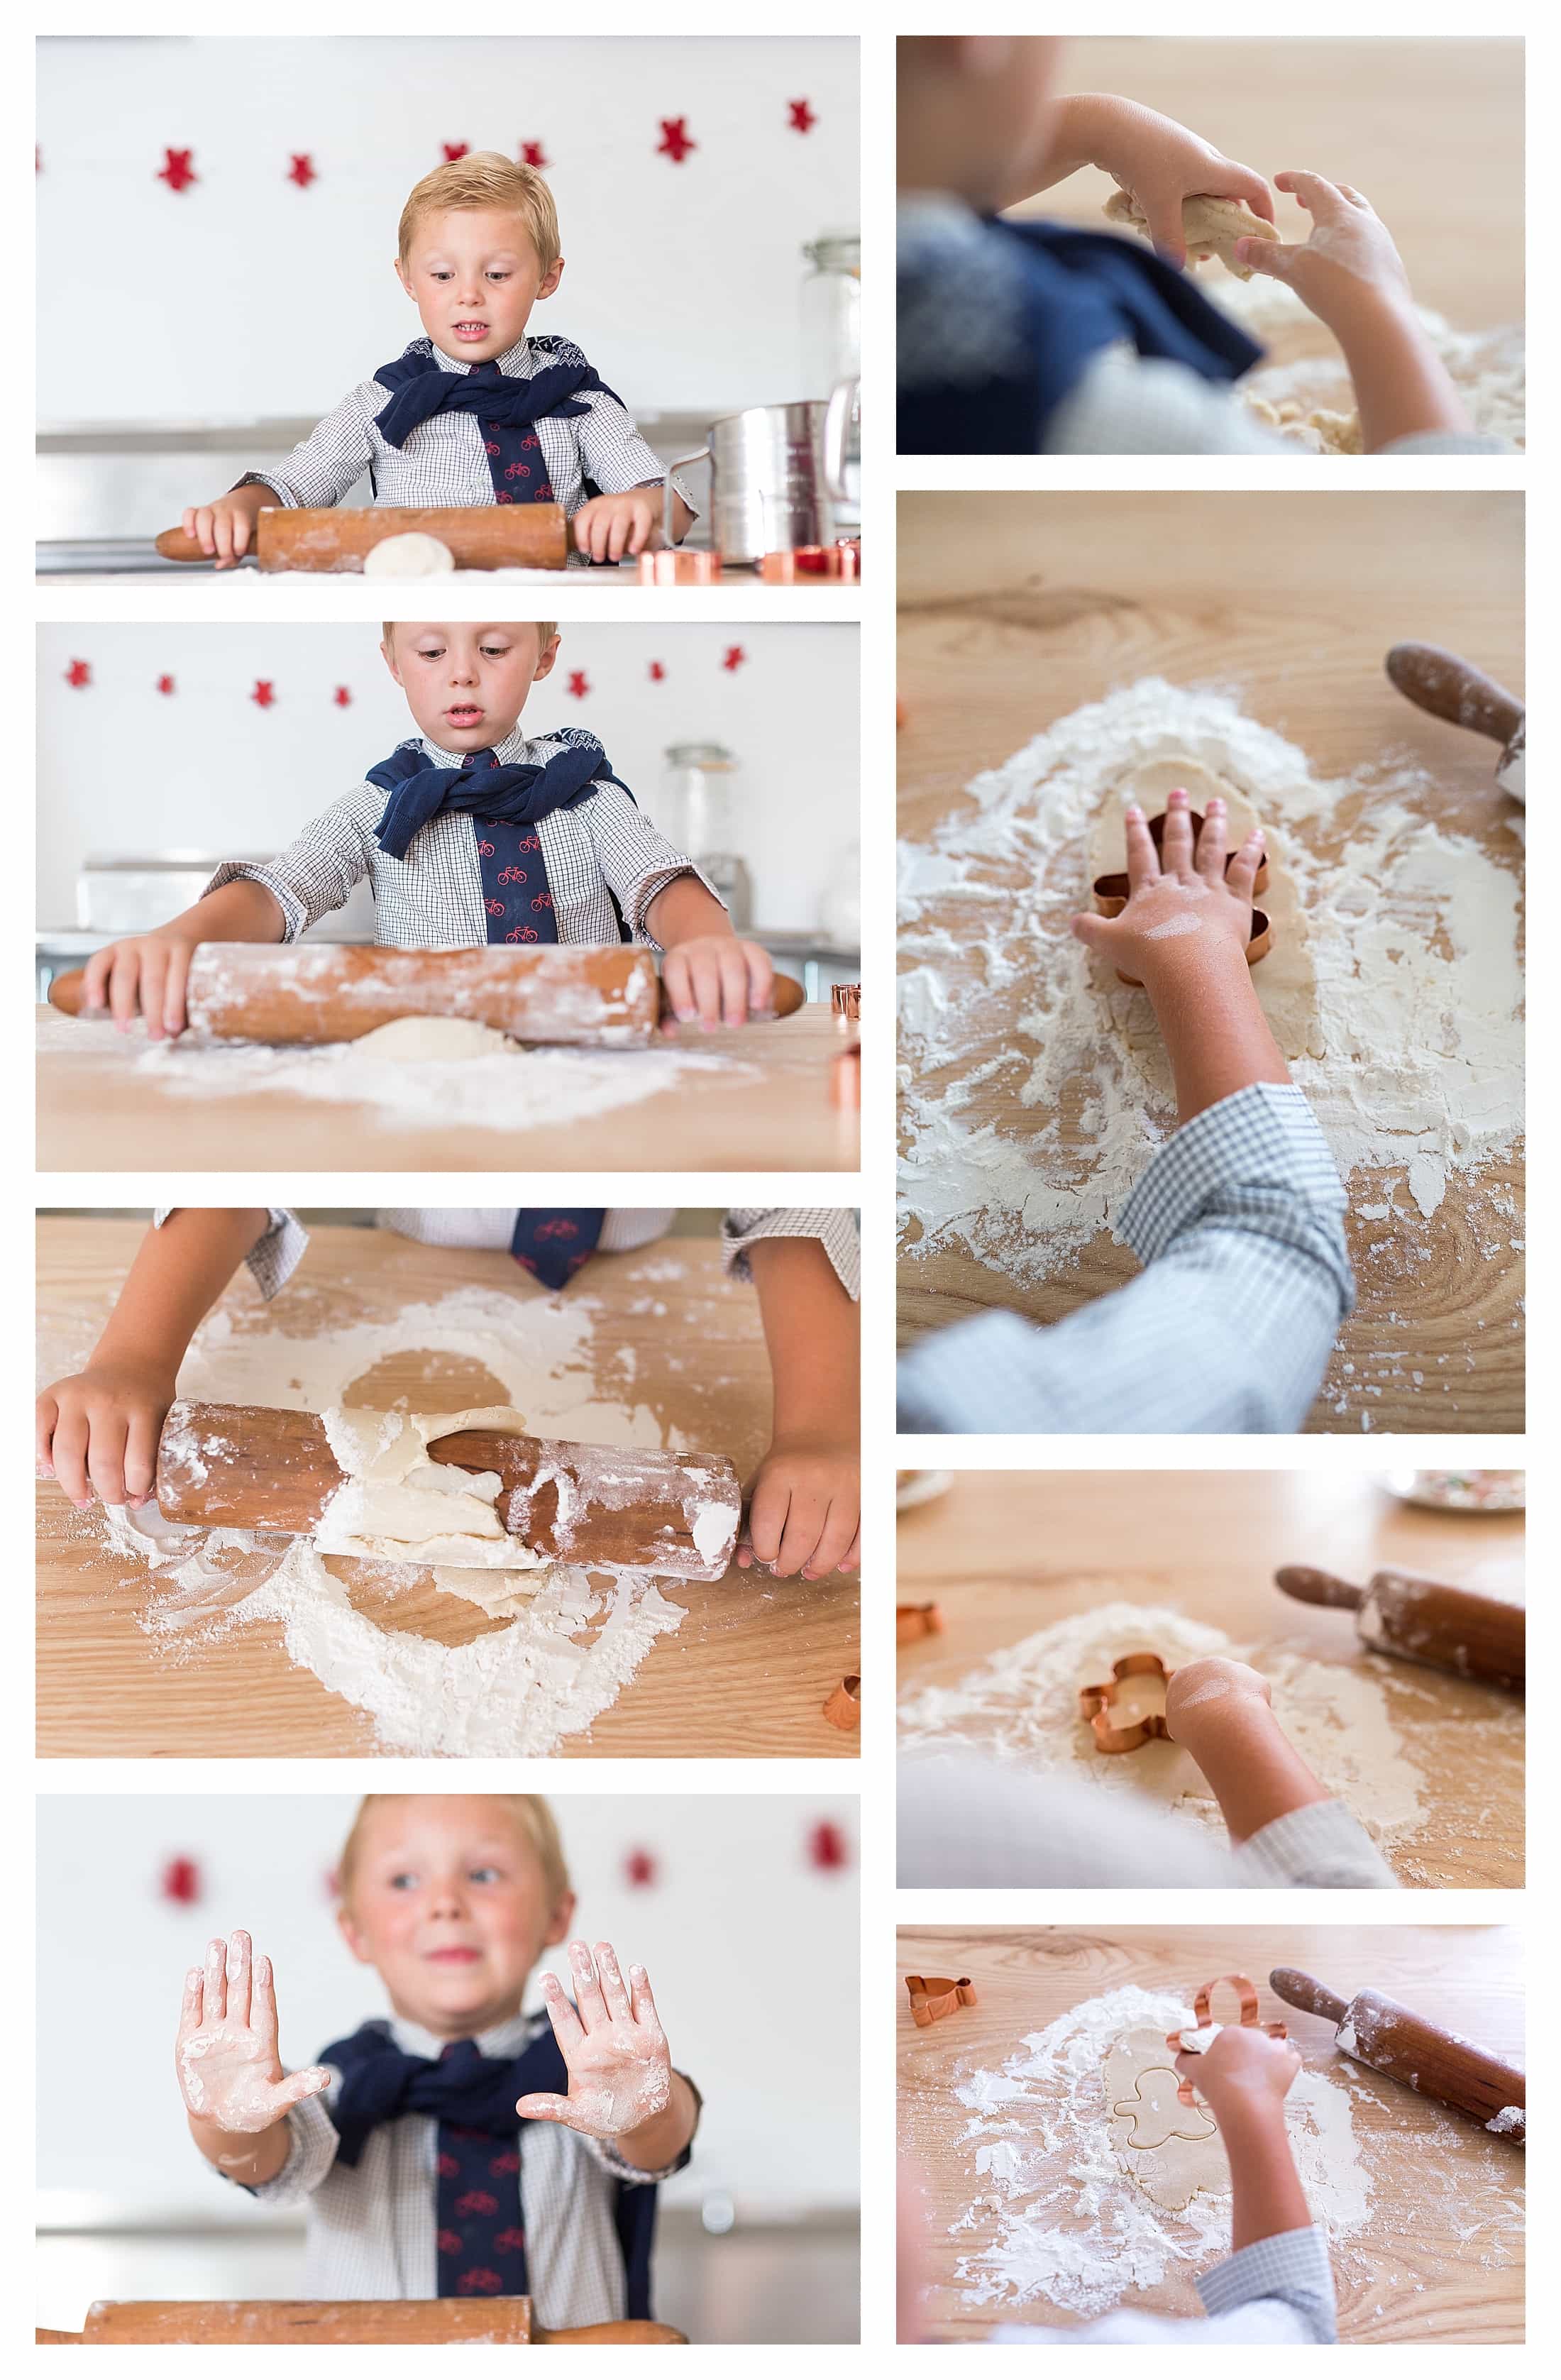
(342, 698)
(180, 1881)
(735, 657)
(532, 153)
(38, 161)
(264, 694)
(579, 685)
(674, 142)
(657, 671)
(454, 149)
(827, 1846)
(332, 1883)
(164, 684)
(803, 118)
(639, 1868)
(302, 171)
(176, 169)
(78, 673)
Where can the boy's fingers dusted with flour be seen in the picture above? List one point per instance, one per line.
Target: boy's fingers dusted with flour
(1209, 859)
(566, 2025)
(1143, 864)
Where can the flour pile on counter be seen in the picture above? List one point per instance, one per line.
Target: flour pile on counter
(565, 1650)
(1413, 938)
(1058, 2217)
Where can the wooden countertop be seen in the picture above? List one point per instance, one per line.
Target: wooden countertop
(1016, 608)
(744, 1677)
(1443, 2190)
(99, 1112)
(1005, 1553)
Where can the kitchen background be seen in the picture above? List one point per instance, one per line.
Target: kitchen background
(217, 223)
(161, 749)
(722, 1899)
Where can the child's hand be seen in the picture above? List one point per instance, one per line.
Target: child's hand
(1180, 903)
(620, 2072)
(1201, 1691)
(1349, 263)
(805, 1512)
(225, 528)
(1161, 163)
(229, 2068)
(714, 979)
(146, 975)
(1243, 2072)
(609, 527)
(98, 1432)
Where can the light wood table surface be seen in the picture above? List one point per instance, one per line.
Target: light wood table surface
(745, 1676)
(1004, 1553)
(1431, 131)
(770, 1111)
(1446, 2193)
(1016, 608)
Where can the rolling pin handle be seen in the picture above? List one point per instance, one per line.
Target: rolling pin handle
(65, 991)
(1452, 688)
(1320, 1587)
(1299, 1990)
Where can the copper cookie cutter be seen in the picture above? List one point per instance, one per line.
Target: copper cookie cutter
(789, 563)
(914, 1621)
(843, 1708)
(1109, 894)
(845, 1068)
(933, 1996)
(1246, 1994)
(1095, 1702)
(668, 567)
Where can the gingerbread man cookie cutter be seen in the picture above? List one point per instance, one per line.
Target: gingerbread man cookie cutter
(933, 1996)
(1095, 1704)
(1203, 2002)
(914, 1621)
(1109, 894)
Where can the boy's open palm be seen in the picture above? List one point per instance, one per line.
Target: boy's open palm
(229, 2068)
(620, 2072)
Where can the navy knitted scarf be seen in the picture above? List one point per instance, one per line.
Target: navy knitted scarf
(507, 409)
(514, 792)
(1074, 294)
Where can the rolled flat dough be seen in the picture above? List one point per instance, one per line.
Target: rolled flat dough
(1285, 982)
(1211, 226)
(414, 554)
(413, 1038)
(394, 1505)
(1170, 2151)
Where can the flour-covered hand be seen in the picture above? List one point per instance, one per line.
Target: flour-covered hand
(1162, 162)
(1179, 899)
(619, 2071)
(226, 2056)
(1242, 2069)
(714, 979)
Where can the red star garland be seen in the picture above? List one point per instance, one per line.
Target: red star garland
(332, 1883)
(264, 693)
(180, 1882)
(803, 118)
(674, 142)
(164, 684)
(827, 1846)
(342, 698)
(735, 657)
(639, 1869)
(78, 673)
(454, 149)
(533, 154)
(302, 171)
(176, 169)
(579, 685)
(657, 671)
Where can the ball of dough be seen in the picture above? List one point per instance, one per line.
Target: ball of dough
(1211, 226)
(411, 555)
(409, 1038)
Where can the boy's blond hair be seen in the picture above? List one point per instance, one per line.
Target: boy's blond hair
(546, 631)
(487, 180)
(531, 1813)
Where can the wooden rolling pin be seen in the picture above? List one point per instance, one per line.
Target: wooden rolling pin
(606, 998)
(1452, 688)
(263, 1467)
(1406, 2048)
(480, 537)
(1424, 1619)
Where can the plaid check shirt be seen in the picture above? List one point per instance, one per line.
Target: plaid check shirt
(1238, 1224)
(443, 461)
(1277, 2293)
(432, 899)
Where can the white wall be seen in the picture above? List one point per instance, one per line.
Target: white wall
(122, 768)
(752, 1954)
(244, 296)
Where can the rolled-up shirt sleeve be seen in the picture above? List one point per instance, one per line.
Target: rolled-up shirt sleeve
(276, 1254)
(325, 466)
(615, 455)
(834, 1228)
(1322, 1847)
(314, 877)
(635, 858)
(1238, 1221)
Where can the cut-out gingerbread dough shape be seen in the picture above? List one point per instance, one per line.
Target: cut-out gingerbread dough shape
(1284, 982)
(1140, 2088)
(1210, 227)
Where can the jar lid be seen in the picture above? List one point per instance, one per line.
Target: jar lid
(700, 756)
(835, 251)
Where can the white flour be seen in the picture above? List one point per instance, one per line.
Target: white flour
(1058, 2217)
(517, 1690)
(1022, 1705)
(1414, 941)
